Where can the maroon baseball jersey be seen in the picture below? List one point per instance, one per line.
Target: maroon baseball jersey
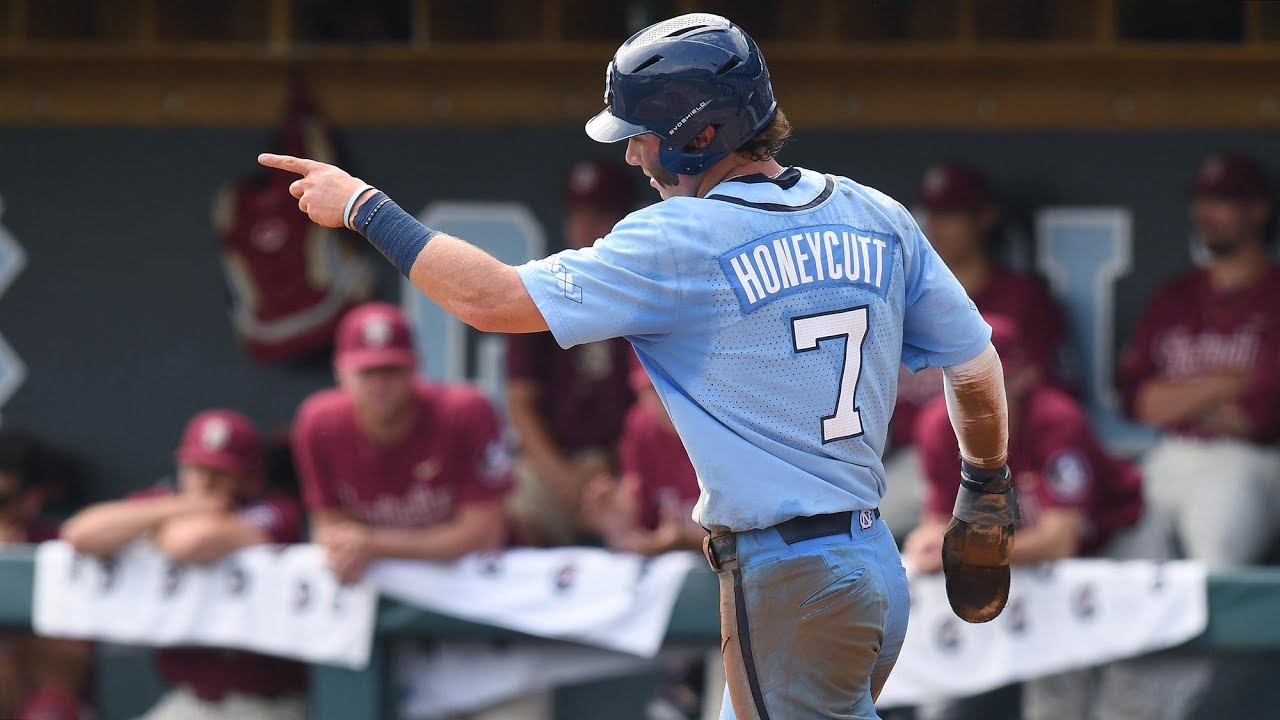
(1055, 461)
(651, 450)
(453, 455)
(1026, 302)
(211, 674)
(585, 394)
(1190, 329)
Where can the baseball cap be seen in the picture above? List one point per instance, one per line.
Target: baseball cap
(949, 187)
(1230, 175)
(374, 334)
(223, 439)
(598, 183)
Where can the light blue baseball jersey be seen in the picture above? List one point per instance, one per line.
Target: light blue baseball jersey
(772, 315)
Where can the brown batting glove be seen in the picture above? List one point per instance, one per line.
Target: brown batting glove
(978, 543)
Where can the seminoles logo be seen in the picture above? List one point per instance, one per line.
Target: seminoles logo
(947, 636)
(377, 332)
(237, 581)
(269, 234)
(490, 563)
(172, 579)
(215, 434)
(1016, 613)
(302, 596)
(565, 577)
(1085, 602)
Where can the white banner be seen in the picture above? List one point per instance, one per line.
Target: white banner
(585, 595)
(273, 600)
(1062, 616)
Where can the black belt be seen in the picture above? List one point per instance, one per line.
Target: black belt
(722, 549)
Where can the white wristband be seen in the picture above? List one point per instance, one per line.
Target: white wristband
(351, 202)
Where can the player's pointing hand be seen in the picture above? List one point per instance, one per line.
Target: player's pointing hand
(323, 190)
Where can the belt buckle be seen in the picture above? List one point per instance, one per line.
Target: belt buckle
(709, 552)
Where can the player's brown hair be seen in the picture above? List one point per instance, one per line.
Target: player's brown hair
(768, 142)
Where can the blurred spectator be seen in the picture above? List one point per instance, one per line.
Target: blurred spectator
(395, 467)
(649, 510)
(218, 507)
(567, 406)
(961, 218)
(1204, 365)
(39, 677)
(1076, 501)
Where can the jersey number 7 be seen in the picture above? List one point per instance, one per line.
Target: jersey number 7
(810, 330)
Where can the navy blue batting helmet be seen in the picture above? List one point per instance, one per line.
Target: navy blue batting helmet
(675, 78)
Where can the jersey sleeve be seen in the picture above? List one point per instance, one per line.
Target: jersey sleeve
(488, 468)
(626, 284)
(1066, 456)
(307, 442)
(939, 458)
(941, 325)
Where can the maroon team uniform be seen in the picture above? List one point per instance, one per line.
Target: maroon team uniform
(1026, 302)
(1055, 462)
(1189, 329)
(585, 391)
(453, 456)
(213, 674)
(651, 450)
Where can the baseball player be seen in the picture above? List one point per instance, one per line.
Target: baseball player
(1204, 365)
(771, 306)
(219, 505)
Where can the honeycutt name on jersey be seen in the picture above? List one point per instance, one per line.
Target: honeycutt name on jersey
(777, 265)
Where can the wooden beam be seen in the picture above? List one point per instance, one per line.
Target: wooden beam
(1106, 25)
(966, 23)
(420, 17)
(1253, 22)
(552, 21)
(984, 87)
(829, 21)
(280, 26)
(148, 22)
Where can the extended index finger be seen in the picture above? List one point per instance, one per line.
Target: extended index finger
(298, 165)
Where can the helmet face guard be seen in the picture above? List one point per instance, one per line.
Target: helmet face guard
(676, 78)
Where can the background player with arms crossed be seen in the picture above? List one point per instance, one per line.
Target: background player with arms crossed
(771, 306)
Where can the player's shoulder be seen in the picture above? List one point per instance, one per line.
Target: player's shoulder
(328, 407)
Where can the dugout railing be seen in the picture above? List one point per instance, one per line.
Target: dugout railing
(1243, 610)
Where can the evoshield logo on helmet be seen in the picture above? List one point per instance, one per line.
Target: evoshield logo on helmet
(685, 119)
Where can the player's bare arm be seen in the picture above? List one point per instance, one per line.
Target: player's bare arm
(1168, 402)
(466, 281)
(104, 528)
(207, 537)
(477, 527)
(1055, 535)
(978, 543)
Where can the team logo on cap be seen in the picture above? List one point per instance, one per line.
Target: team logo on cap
(583, 177)
(935, 179)
(215, 434)
(377, 332)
